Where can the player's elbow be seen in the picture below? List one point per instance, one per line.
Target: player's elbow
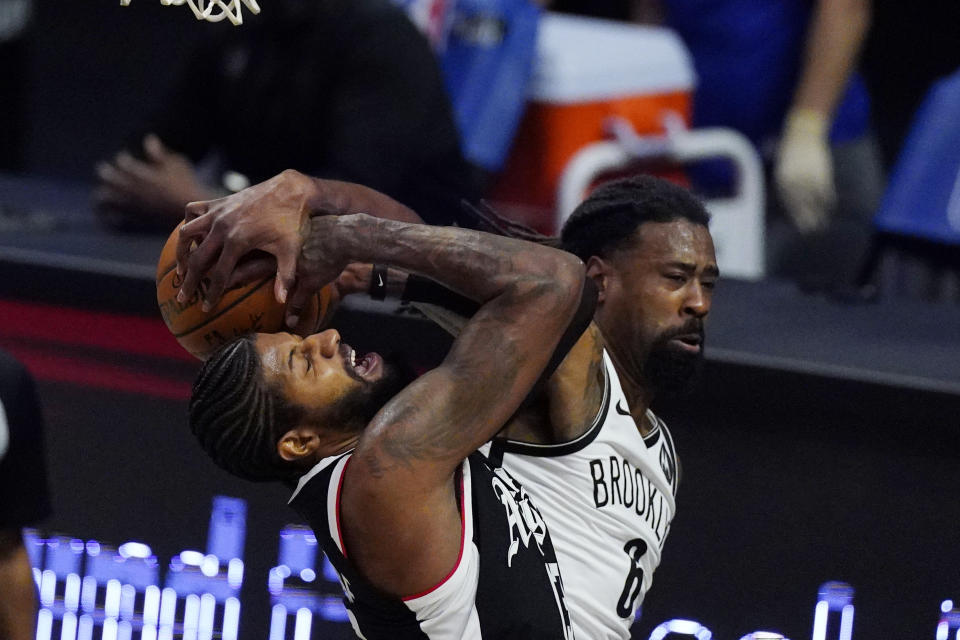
(569, 273)
(558, 286)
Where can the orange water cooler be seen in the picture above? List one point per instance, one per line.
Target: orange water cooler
(586, 71)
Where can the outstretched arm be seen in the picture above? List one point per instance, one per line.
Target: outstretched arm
(400, 516)
(804, 168)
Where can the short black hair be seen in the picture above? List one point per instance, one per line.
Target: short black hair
(238, 418)
(613, 212)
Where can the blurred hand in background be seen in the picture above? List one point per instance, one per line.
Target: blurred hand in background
(151, 192)
(803, 171)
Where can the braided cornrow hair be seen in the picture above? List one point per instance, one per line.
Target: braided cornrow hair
(486, 218)
(612, 213)
(237, 418)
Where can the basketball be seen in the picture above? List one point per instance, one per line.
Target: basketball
(250, 308)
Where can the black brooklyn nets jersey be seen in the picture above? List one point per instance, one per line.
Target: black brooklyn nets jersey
(609, 498)
(506, 583)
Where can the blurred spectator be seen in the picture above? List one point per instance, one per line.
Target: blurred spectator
(23, 496)
(907, 50)
(487, 61)
(908, 59)
(344, 89)
(786, 69)
(14, 41)
(782, 73)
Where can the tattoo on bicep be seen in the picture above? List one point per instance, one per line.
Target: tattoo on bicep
(428, 426)
(594, 384)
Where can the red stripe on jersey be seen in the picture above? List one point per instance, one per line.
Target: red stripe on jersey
(343, 473)
(463, 528)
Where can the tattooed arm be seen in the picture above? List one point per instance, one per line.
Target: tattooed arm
(570, 400)
(400, 514)
(269, 216)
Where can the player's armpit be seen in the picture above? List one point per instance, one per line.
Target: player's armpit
(403, 541)
(575, 391)
(400, 480)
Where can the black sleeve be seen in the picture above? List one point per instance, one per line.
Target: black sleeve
(581, 320)
(24, 496)
(420, 289)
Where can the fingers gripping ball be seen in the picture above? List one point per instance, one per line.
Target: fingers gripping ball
(244, 309)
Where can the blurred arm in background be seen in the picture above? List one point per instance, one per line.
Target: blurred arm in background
(23, 496)
(804, 169)
(341, 89)
(156, 188)
(18, 606)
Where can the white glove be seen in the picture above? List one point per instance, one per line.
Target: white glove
(804, 170)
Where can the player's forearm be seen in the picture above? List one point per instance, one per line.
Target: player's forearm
(478, 265)
(18, 603)
(836, 35)
(344, 198)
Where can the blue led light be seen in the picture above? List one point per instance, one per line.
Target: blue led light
(228, 528)
(689, 628)
(836, 594)
(134, 550)
(833, 596)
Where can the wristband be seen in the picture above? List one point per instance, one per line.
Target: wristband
(420, 289)
(378, 282)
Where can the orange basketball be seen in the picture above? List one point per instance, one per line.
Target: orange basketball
(246, 309)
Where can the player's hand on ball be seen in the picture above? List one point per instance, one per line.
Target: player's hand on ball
(321, 262)
(355, 278)
(269, 216)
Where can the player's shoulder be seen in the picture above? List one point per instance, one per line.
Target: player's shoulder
(319, 477)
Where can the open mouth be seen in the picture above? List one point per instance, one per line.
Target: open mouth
(365, 367)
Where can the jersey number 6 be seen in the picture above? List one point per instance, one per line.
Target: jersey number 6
(631, 589)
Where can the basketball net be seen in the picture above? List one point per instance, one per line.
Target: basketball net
(212, 10)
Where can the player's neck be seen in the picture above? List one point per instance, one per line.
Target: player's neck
(639, 394)
(339, 445)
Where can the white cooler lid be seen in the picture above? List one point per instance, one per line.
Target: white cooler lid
(586, 59)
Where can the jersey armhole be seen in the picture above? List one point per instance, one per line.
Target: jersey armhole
(499, 446)
(465, 502)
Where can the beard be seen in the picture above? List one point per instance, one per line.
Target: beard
(669, 370)
(355, 410)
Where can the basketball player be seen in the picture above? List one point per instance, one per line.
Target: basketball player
(602, 466)
(429, 541)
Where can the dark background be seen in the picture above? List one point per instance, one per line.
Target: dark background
(96, 71)
(790, 479)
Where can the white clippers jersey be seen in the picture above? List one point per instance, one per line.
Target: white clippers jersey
(608, 498)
